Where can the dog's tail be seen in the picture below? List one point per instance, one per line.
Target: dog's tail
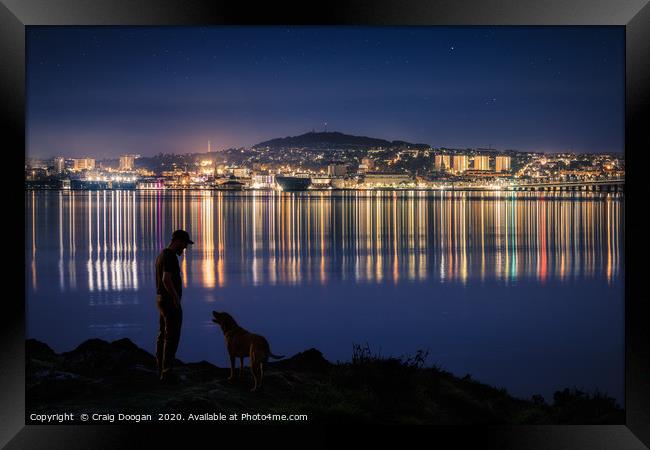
(275, 356)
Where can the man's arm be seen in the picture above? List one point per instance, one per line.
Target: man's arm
(169, 287)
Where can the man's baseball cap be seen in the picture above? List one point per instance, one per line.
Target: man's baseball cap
(182, 235)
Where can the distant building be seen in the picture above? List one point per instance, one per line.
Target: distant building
(502, 164)
(460, 163)
(35, 173)
(35, 163)
(321, 181)
(482, 173)
(263, 181)
(410, 153)
(481, 162)
(343, 183)
(337, 170)
(151, 185)
(126, 162)
(442, 162)
(387, 179)
(367, 165)
(59, 164)
(241, 172)
(83, 164)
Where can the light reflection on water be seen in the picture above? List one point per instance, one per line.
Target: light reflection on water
(261, 238)
(522, 290)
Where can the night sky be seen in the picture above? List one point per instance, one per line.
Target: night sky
(106, 91)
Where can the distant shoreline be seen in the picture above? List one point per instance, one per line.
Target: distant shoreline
(453, 189)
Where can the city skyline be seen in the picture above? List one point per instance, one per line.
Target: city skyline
(117, 156)
(149, 90)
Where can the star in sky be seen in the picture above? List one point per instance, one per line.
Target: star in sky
(358, 75)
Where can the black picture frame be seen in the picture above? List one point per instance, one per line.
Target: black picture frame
(15, 15)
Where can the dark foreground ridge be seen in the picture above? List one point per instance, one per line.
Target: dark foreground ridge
(119, 377)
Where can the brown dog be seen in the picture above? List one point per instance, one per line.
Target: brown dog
(240, 343)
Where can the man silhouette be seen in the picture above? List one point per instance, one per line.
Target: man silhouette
(168, 299)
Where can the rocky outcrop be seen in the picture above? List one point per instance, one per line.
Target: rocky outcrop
(119, 377)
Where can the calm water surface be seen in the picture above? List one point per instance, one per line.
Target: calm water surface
(521, 290)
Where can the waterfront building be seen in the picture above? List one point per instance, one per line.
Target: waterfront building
(83, 163)
(126, 162)
(263, 181)
(377, 179)
(151, 184)
(337, 170)
(460, 163)
(481, 162)
(321, 181)
(482, 173)
(502, 163)
(442, 162)
(59, 164)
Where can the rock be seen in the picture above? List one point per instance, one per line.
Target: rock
(280, 381)
(311, 360)
(56, 385)
(42, 363)
(204, 371)
(35, 349)
(136, 377)
(135, 354)
(96, 357)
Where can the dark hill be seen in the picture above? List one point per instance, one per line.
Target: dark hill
(334, 140)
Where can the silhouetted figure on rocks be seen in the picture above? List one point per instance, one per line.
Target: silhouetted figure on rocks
(168, 299)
